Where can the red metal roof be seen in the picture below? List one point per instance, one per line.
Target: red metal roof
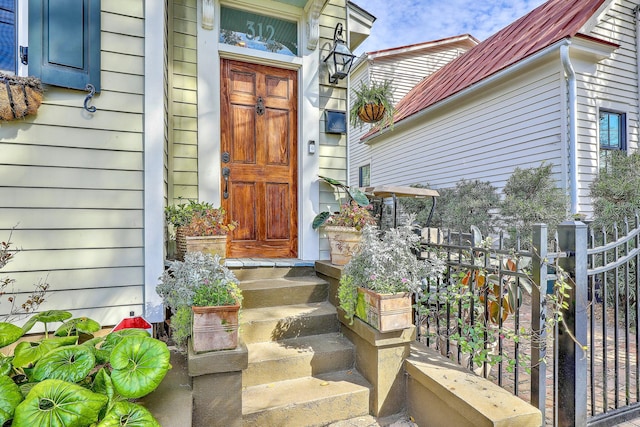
(540, 28)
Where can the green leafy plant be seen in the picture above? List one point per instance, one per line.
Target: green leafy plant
(354, 207)
(181, 214)
(532, 196)
(210, 222)
(58, 382)
(469, 203)
(199, 280)
(386, 264)
(377, 93)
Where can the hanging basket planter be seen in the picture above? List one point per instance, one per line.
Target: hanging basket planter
(371, 113)
(19, 96)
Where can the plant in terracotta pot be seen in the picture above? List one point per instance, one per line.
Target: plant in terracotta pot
(192, 289)
(372, 104)
(200, 227)
(344, 228)
(376, 285)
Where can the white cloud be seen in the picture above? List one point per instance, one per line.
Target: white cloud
(407, 22)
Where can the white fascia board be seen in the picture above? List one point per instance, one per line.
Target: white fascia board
(515, 68)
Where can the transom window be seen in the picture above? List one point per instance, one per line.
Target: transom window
(250, 30)
(613, 135)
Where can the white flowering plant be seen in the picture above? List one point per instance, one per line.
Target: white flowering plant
(387, 263)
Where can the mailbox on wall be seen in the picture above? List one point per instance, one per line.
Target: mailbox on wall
(335, 122)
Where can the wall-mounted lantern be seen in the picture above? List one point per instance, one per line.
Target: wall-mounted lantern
(340, 58)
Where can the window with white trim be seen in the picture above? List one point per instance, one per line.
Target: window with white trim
(364, 178)
(612, 135)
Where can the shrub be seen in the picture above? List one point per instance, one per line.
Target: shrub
(531, 196)
(470, 202)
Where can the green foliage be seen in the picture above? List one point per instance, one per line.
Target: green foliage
(387, 264)
(198, 280)
(65, 384)
(181, 214)
(470, 202)
(616, 191)
(126, 414)
(354, 198)
(531, 196)
(379, 93)
(181, 325)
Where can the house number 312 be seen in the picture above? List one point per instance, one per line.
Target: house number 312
(251, 31)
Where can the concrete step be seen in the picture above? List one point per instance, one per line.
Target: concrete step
(269, 269)
(297, 357)
(287, 321)
(283, 291)
(309, 401)
(175, 388)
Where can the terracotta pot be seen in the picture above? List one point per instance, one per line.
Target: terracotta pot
(215, 328)
(385, 312)
(208, 244)
(371, 113)
(344, 242)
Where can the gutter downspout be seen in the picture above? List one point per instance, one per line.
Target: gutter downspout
(572, 126)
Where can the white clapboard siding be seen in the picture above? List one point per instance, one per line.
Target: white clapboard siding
(484, 138)
(54, 218)
(614, 85)
(71, 187)
(183, 112)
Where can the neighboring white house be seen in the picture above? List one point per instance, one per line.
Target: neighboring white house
(175, 81)
(559, 85)
(405, 66)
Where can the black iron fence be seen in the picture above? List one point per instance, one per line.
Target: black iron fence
(554, 324)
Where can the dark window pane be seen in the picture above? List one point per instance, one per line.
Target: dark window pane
(8, 35)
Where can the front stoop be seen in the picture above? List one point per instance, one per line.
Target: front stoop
(300, 368)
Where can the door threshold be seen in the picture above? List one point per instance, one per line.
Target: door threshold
(267, 262)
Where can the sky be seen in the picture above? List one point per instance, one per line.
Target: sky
(404, 22)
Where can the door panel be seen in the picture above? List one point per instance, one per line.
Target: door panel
(259, 131)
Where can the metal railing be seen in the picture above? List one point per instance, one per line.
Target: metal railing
(579, 368)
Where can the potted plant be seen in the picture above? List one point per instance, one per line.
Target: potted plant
(199, 226)
(372, 104)
(344, 228)
(376, 285)
(205, 298)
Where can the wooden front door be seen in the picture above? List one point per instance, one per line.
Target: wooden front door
(259, 159)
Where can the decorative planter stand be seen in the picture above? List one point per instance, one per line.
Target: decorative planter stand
(385, 312)
(344, 242)
(215, 328)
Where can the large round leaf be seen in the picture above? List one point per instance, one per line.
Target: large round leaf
(139, 365)
(9, 333)
(28, 353)
(56, 403)
(71, 363)
(80, 325)
(10, 397)
(6, 365)
(127, 414)
(52, 316)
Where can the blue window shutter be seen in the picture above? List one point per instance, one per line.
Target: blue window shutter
(64, 42)
(8, 35)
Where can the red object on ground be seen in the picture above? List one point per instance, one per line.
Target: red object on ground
(137, 322)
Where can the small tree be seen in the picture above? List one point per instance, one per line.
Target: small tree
(532, 196)
(616, 191)
(470, 202)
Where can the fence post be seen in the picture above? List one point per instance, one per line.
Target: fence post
(572, 359)
(538, 318)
